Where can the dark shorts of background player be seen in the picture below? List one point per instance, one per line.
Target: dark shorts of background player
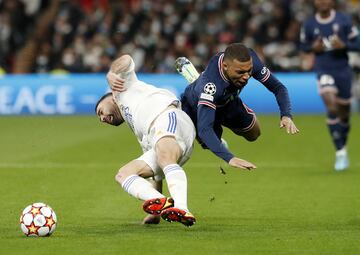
(235, 115)
(343, 80)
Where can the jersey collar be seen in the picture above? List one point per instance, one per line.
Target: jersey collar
(326, 20)
(220, 65)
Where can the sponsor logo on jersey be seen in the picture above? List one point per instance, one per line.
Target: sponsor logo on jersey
(264, 70)
(210, 88)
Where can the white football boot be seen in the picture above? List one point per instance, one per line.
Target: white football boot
(342, 160)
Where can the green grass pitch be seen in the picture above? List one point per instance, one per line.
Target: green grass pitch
(294, 203)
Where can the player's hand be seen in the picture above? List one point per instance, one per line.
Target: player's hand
(241, 163)
(318, 45)
(116, 83)
(337, 43)
(289, 125)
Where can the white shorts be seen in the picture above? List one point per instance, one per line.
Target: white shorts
(175, 123)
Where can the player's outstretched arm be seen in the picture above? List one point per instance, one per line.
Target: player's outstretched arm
(241, 163)
(289, 125)
(116, 83)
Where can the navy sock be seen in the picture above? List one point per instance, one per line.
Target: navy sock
(335, 131)
(345, 128)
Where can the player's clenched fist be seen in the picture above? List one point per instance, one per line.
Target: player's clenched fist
(116, 83)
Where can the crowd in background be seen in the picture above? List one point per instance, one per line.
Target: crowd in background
(86, 35)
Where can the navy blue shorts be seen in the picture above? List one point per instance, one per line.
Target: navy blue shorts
(338, 81)
(236, 115)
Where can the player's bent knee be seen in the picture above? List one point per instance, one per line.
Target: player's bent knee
(253, 134)
(120, 177)
(164, 159)
(253, 137)
(135, 167)
(123, 173)
(332, 110)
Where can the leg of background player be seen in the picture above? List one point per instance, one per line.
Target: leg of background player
(333, 122)
(344, 115)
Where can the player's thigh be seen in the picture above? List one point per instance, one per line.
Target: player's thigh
(150, 159)
(137, 167)
(335, 90)
(173, 134)
(344, 111)
(343, 82)
(240, 119)
(329, 98)
(168, 151)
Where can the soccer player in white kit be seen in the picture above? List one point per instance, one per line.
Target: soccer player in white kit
(166, 135)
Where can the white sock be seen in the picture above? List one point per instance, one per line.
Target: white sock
(177, 185)
(140, 188)
(341, 152)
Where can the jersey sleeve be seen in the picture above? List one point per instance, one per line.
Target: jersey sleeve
(306, 37)
(206, 109)
(264, 75)
(352, 32)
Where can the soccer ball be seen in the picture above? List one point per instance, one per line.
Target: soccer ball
(38, 219)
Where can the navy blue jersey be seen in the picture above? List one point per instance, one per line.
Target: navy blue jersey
(337, 24)
(213, 91)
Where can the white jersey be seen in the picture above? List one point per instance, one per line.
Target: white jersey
(141, 103)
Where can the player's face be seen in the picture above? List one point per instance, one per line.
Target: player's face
(108, 112)
(323, 5)
(238, 72)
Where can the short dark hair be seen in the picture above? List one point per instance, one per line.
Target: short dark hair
(237, 51)
(102, 98)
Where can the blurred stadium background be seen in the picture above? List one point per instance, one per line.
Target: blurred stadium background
(43, 36)
(84, 36)
(53, 58)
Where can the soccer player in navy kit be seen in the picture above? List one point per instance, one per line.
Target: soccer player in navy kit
(329, 35)
(212, 100)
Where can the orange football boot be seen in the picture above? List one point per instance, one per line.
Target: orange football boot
(178, 215)
(156, 205)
